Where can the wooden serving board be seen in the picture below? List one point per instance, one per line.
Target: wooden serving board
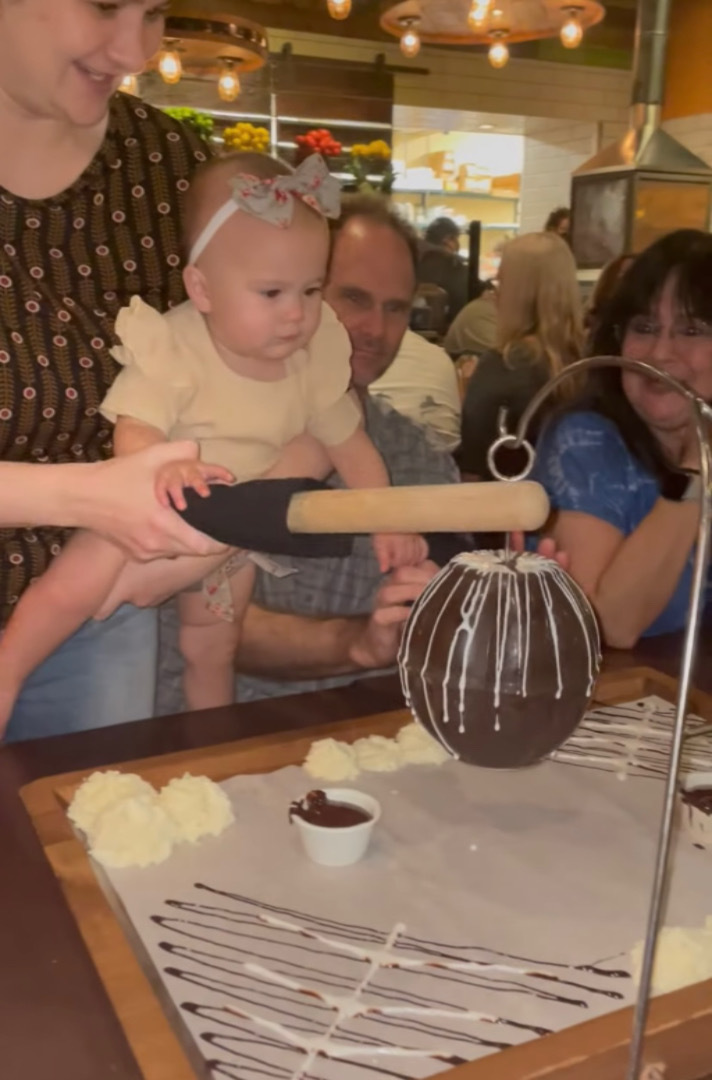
(680, 1025)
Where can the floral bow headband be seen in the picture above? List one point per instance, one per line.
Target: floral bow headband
(273, 200)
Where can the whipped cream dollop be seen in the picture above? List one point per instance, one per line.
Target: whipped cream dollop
(127, 822)
(332, 760)
(683, 956)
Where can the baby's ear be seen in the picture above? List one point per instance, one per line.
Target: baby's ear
(197, 288)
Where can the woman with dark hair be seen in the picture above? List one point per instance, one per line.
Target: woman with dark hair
(621, 466)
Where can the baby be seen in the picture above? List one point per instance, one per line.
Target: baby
(256, 369)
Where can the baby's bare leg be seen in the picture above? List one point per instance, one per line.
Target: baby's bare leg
(149, 584)
(208, 644)
(50, 611)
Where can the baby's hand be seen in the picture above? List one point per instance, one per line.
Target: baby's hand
(399, 549)
(176, 475)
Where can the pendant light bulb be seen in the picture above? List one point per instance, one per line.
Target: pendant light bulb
(129, 85)
(339, 9)
(169, 63)
(410, 41)
(477, 15)
(228, 82)
(498, 53)
(571, 33)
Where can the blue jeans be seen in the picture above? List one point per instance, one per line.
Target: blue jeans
(105, 674)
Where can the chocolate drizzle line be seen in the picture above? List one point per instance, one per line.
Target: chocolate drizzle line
(299, 997)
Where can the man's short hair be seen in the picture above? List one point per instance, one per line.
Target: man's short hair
(379, 211)
(440, 230)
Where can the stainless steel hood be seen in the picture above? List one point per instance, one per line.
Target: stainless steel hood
(647, 183)
(645, 145)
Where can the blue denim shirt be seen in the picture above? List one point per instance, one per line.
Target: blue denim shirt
(585, 465)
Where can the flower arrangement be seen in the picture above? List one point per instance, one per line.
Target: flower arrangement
(378, 149)
(202, 124)
(246, 136)
(368, 160)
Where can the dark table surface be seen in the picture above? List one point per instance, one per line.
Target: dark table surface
(55, 1019)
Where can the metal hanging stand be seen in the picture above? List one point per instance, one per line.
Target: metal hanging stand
(702, 414)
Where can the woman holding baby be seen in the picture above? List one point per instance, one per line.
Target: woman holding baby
(91, 187)
(92, 209)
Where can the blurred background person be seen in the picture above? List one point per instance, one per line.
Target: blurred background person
(539, 332)
(439, 263)
(474, 329)
(559, 222)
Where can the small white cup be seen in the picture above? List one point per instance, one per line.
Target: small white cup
(339, 847)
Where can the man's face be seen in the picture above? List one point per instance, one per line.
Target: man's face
(371, 287)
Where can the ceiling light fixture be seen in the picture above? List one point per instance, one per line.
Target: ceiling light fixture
(489, 22)
(571, 34)
(169, 62)
(477, 15)
(498, 54)
(339, 9)
(410, 39)
(228, 82)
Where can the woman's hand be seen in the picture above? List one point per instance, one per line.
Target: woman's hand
(117, 499)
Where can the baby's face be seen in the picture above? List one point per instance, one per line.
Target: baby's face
(264, 284)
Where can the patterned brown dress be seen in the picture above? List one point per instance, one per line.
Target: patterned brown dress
(67, 265)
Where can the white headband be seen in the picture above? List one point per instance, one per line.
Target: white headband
(273, 199)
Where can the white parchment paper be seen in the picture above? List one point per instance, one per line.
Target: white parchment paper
(492, 907)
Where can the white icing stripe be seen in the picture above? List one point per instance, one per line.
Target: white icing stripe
(633, 739)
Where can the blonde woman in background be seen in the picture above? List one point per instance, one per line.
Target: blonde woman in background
(539, 331)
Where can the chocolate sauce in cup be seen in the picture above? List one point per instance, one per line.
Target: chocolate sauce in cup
(335, 825)
(317, 809)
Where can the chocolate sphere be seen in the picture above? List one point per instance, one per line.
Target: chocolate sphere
(499, 657)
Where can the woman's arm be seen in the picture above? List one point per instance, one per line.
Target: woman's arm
(115, 498)
(627, 546)
(629, 580)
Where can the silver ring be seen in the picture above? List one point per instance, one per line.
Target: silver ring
(513, 442)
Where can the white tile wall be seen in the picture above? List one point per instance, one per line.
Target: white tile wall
(552, 150)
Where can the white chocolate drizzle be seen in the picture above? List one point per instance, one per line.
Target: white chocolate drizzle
(633, 739)
(285, 994)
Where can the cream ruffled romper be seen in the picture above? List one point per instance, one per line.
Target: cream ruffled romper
(174, 379)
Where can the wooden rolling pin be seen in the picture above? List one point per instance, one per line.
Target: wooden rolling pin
(305, 517)
(498, 506)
